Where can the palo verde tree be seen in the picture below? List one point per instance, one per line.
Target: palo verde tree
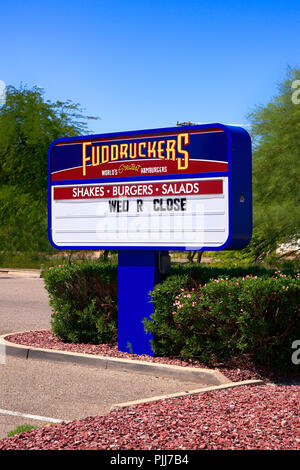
(276, 168)
(28, 125)
(275, 132)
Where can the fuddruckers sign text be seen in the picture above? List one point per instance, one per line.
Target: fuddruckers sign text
(172, 188)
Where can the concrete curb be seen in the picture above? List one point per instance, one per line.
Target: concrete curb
(118, 406)
(23, 273)
(189, 374)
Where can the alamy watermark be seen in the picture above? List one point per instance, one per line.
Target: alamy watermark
(296, 354)
(296, 93)
(2, 92)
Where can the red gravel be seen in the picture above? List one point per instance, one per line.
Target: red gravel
(236, 371)
(249, 417)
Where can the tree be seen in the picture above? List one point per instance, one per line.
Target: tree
(276, 169)
(28, 125)
(192, 254)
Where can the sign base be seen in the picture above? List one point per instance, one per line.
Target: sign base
(138, 272)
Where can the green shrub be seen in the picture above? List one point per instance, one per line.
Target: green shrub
(84, 301)
(22, 428)
(169, 340)
(254, 316)
(202, 274)
(231, 314)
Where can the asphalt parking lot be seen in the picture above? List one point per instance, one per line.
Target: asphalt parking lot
(39, 392)
(23, 304)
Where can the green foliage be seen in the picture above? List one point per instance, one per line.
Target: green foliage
(275, 132)
(23, 221)
(84, 301)
(20, 429)
(254, 316)
(168, 341)
(210, 314)
(28, 125)
(202, 274)
(276, 169)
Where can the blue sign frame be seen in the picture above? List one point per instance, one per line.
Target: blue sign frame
(139, 263)
(239, 177)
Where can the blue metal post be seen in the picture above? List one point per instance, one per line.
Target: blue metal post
(137, 275)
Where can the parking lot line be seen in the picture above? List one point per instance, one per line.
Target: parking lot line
(29, 416)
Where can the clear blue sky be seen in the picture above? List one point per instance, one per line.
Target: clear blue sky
(146, 64)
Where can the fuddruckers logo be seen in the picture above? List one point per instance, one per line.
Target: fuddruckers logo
(168, 149)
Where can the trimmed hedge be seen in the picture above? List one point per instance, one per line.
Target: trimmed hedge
(84, 301)
(254, 316)
(202, 274)
(210, 314)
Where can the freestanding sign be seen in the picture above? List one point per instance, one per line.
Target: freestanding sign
(141, 192)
